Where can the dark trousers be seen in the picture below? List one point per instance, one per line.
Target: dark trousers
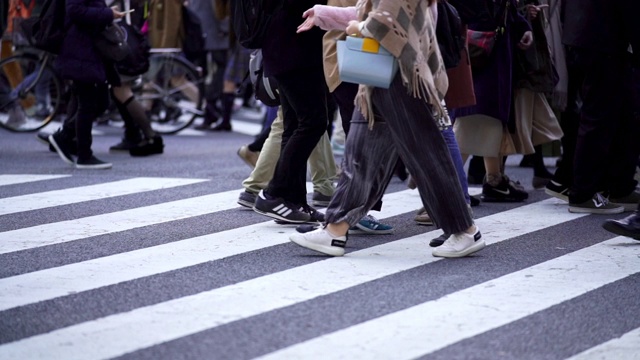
(404, 127)
(344, 95)
(608, 145)
(570, 121)
(303, 94)
(91, 100)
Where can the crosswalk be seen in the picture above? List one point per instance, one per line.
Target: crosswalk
(246, 292)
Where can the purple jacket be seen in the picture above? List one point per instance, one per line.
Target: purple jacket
(494, 85)
(78, 60)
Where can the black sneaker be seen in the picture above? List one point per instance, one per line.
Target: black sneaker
(124, 146)
(320, 200)
(315, 216)
(505, 191)
(148, 147)
(279, 209)
(247, 199)
(629, 226)
(92, 163)
(439, 240)
(63, 146)
(558, 190)
(474, 201)
(43, 137)
(305, 228)
(598, 204)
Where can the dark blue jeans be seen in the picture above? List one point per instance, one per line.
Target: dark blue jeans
(454, 150)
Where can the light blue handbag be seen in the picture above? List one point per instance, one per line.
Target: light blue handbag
(364, 61)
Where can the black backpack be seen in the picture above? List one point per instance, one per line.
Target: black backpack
(265, 88)
(250, 20)
(47, 31)
(194, 38)
(449, 34)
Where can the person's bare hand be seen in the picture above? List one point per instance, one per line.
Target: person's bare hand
(353, 29)
(309, 21)
(116, 13)
(533, 10)
(526, 41)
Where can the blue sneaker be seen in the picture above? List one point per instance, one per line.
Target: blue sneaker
(371, 225)
(338, 149)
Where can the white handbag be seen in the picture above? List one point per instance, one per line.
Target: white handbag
(364, 61)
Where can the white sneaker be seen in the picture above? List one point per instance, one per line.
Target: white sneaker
(320, 240)
(460, 245)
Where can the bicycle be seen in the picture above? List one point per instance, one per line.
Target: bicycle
(172, 91)
(31, 93)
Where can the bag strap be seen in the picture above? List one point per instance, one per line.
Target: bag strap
(502, 20)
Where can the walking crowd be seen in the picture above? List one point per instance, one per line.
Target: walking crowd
(477, 81)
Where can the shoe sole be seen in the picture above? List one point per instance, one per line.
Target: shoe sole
(327, 250)
(94, 167)
(613, 228)
(556, 194)
(626, 206)
(246, 204)
(580, 210)
(477, 246)
(319, 203)
(424, 223)
(501, 199)
(288, 222)
(435, 243)
(278, 217)
(44, 141)
(52, 141)
(119, 150)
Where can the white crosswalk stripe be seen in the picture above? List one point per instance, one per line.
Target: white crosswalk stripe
(418, 329)
(87, 193)
(21, 179)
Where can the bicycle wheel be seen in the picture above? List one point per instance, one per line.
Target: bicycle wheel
(172, 91)
(30, 92)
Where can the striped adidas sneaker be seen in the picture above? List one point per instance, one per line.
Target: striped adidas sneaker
(279, 209)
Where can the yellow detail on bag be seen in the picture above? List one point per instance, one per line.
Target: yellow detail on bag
(370, 45)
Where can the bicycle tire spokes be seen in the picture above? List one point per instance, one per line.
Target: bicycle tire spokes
(172, 90)
(30, 93)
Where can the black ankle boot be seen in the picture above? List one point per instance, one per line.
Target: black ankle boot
(148, 147)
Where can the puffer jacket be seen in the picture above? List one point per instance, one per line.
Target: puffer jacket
(78, 59)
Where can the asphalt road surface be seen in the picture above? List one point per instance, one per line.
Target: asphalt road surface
(154, 259)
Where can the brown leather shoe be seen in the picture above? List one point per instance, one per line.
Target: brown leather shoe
(422, 218)
(250, 157)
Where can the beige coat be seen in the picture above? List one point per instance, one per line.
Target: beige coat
(165, 24)
(329, 48)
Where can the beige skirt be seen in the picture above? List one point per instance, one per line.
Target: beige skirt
(479, 135)
(536, 123)
(483, 135)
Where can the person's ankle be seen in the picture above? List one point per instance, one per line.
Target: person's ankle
(494, 179)
(337, 229)
(472, 230)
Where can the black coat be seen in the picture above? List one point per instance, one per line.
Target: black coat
(284, 50)
(598, 24)
(78, 60)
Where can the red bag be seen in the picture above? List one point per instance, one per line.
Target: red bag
(481, 45)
